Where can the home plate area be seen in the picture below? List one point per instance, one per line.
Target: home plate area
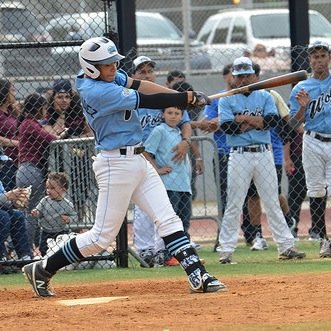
(89, 301)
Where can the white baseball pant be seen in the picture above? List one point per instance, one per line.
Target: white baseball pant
(242, 168)
(119, 180)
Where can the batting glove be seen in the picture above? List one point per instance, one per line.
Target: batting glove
(200, 100)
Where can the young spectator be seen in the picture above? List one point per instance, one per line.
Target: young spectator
(8, 133)
(54, 212)
(175, 176)
(12, 220)
(34, 141)
(246, 120)
(310, 103)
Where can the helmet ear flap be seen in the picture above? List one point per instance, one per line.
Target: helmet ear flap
(89, 69)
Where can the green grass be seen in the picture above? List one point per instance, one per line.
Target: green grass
(248, 263)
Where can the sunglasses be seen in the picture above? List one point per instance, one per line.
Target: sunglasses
(242, 66)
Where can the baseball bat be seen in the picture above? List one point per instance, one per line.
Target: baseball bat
(290, 78)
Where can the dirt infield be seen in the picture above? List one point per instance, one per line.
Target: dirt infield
(274, 302)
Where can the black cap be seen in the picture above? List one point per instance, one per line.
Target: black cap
(62, 86)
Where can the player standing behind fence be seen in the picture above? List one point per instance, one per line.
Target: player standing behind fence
(310, 102)
(54, 211)
(246, 119)
(175, 176)
(110, 100)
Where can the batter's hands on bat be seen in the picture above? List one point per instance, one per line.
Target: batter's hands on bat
(199, 99)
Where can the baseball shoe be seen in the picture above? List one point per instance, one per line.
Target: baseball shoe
(291, 254)
(225, 258)
(148, 257)
(325, 250)
(204, 283)
(259, 244)
(39, 278)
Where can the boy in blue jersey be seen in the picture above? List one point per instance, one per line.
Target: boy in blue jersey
(110, 99)
(310, 103)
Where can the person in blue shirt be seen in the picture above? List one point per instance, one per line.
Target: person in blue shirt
(110, 99)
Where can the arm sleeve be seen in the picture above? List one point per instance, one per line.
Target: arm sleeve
(163, 100)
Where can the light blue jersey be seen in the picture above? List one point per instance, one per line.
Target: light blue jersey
(109, 108)
(160, 143)
(317, 115)
(150, 118)
(258, 103)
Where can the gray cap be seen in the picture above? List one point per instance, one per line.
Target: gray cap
(318, 44)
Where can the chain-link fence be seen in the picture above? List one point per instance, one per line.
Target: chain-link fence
(39, 41)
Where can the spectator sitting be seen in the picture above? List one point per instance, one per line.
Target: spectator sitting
(54, 211)
(12, 220)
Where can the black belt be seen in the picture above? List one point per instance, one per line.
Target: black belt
(137, 150)
(318, 136)
(252, 149)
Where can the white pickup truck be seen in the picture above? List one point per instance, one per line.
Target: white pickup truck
(229, 34)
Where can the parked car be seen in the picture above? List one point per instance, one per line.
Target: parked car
(157, 38)
(228, 34)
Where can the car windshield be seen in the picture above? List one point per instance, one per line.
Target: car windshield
(277, 26)
(154, 27)
(18, 22)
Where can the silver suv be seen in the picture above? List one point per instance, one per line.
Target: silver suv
(157, 38)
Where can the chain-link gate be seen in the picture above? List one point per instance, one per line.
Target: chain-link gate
(39, 41)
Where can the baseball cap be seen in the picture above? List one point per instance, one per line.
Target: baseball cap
(242, 66)
(4, 157)
(62, 86)
(142, 60)
(318, 44)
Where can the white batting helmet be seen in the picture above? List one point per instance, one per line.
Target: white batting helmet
(99, 50)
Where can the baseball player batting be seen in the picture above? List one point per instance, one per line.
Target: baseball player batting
(310, 102)
(110, 100)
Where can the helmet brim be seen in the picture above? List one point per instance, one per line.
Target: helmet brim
(110, 60)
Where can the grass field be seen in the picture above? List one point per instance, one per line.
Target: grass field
(248, 263)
